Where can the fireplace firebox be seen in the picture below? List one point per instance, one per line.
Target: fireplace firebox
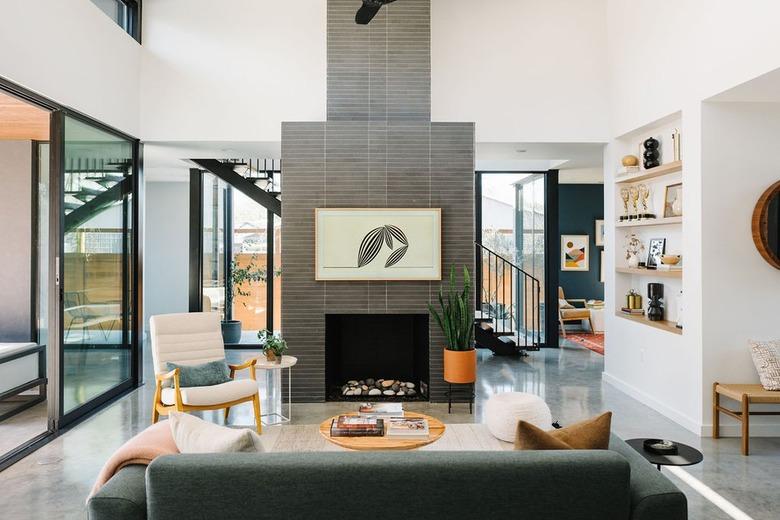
(386, 354)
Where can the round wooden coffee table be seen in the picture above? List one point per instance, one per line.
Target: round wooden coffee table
(435, 428)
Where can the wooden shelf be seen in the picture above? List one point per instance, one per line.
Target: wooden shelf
(668, 326)
(664, 169)
(660, 273)
(650, 222)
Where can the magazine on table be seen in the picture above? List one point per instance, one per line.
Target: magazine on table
(399, 427)
(381, 410)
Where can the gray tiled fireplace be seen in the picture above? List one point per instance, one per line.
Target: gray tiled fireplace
(377, 149)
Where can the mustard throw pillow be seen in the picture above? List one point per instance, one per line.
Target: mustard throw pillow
(590, 434)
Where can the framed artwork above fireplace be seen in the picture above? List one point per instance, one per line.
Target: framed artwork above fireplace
(382, 244)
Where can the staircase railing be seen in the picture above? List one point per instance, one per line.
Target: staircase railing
(508, 298)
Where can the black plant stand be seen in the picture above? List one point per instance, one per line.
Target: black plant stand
(467, 389)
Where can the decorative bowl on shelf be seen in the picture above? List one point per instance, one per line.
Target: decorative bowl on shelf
(670, 259)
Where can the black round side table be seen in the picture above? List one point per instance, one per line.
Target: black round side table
(686, 455)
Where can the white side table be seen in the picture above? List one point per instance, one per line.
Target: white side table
(273, 385)
(597, 318)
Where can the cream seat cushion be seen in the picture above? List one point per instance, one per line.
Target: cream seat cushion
(575, 313)
(212, 395)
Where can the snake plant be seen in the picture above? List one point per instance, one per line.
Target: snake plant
(456, 320)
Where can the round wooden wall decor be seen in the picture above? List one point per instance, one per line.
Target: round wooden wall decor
(766, 225)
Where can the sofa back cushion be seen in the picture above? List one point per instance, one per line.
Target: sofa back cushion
(417, 484)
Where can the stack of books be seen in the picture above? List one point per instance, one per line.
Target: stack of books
(355, 426)
(633, 312)
(383, 410)
(397, 427)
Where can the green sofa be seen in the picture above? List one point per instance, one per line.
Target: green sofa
(608, 484)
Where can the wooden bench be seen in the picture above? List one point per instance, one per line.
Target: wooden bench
(747, 395)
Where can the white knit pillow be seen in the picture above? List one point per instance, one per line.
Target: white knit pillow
(194, 435)
(766, 357)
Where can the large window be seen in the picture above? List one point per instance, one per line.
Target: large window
(125, 13)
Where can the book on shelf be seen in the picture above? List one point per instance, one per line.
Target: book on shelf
(355, 426)
(381, 410)
(633, 312)
(397, 427)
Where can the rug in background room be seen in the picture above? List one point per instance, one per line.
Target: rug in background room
(594, 342)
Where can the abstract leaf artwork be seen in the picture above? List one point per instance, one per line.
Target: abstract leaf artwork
(372, 244)
(378, 244)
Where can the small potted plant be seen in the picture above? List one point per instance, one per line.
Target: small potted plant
(251, 273)
(274, 347)
(457, 323)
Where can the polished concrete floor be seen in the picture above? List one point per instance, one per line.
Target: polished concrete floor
(54, 481)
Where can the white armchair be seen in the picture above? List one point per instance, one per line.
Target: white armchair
(191, 339)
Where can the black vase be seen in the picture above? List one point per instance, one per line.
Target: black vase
(655, 309)
(651, 153)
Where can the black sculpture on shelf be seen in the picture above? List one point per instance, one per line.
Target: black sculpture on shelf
(651, 153)
(655, 309)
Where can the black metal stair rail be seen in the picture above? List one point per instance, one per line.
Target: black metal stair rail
(510, 309)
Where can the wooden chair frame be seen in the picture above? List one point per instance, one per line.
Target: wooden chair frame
(562, 320)
(159, 408)
(742, 415)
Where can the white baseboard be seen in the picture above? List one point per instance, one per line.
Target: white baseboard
(681, 419)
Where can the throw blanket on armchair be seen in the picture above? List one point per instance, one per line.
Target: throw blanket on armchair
(149, 444)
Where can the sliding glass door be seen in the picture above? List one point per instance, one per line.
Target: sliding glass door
(96, 268)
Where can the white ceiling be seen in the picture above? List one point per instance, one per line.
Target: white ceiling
(578, 162)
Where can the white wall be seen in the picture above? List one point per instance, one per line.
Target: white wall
(523, 70)
(662, 53)
(166, 249)
(740, 289)
(231, 70)
(15, 239)
(234, 70)
(72, 53)
(667, 57)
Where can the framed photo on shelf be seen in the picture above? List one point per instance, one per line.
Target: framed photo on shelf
(575, 252)
(673, 200)
(654, 252)
(600, 233)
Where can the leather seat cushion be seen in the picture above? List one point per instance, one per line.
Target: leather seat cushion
(575, 313)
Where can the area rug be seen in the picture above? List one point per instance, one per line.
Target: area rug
(594, 342)
(306, 437)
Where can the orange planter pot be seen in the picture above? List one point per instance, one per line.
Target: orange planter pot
(460, 366)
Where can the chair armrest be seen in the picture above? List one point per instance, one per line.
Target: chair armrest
(173, 374)
(243, 366)
(161, 378)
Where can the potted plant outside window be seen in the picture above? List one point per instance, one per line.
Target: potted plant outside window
(274, 347)
(251, 273)
(456, 320)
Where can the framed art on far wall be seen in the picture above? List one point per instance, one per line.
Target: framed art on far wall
(600, 233)
(575, 252)
(377, 244)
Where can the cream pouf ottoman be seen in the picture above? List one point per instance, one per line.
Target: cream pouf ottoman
(504, 411)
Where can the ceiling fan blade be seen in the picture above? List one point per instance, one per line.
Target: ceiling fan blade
(366, 13)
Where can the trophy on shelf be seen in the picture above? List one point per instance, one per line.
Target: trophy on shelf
(644, 194)
(624, 195)
(634, 192)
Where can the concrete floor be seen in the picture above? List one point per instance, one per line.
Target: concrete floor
(53, 482)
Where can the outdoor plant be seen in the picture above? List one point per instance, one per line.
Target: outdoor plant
(456, 320)
(251, 273)
(272, 344)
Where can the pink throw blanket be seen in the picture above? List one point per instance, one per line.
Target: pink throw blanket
(149, 444)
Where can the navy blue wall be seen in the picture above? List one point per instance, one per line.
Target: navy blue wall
(579, 206)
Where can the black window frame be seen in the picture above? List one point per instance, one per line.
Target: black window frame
(131, 23)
